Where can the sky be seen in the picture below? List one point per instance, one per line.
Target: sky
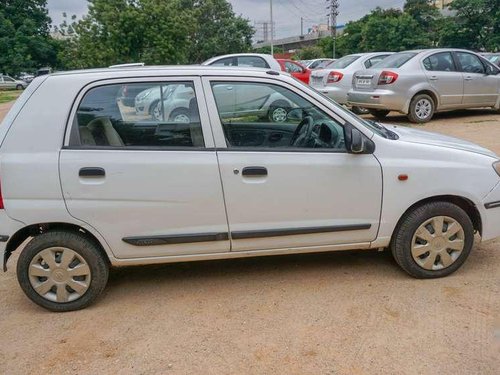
(286, 13)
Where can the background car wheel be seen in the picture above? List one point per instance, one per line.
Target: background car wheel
(154, 107)
(62, 270)
(421, 109)
(157, 112)
(19, 87)
(360, 110)
(433, 240)
(379, 114)
(278, 111)
(180, 115)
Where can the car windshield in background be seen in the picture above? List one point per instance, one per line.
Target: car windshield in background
(344, 62)
(395, 61)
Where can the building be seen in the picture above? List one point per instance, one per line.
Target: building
(442, 4)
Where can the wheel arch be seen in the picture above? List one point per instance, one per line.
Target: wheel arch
(33, 230)
(464, 203)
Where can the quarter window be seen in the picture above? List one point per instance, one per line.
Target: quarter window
(470, 63)
(229, 61)
(440, 62)
(139, 115)
(261, 115)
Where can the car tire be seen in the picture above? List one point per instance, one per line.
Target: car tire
(421, 109)
(19, 87)
(379, 114)
(152, 108)
(278, 111)
(43, 261)
(181, 115)
(441, 254)
(360, 110)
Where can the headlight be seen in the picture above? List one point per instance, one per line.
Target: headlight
(496, 167)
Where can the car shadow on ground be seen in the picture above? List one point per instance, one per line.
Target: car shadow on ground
(462, 115)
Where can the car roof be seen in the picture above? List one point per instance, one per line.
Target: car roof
(196, 70)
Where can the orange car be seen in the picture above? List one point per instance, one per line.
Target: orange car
(296, 69)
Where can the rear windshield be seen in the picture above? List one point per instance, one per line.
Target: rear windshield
(344, 62)
(395, 61)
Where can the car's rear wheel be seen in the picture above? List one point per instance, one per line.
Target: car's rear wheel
(19, 87)
(181, 115)
(421, 109)
(379, 114)
(278, 111)
(433, 240)
(62, 270)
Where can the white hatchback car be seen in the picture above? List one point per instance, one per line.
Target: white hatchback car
(87, 183)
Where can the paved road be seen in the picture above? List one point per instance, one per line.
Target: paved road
(338, 313)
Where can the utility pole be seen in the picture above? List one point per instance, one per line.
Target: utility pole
(301, 26)
(334, 12)
(272, 27)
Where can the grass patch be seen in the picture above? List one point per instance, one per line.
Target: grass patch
(8, 96)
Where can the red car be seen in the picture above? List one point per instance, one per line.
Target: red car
(295, 69)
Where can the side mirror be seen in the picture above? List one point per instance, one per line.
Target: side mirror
(356, 142)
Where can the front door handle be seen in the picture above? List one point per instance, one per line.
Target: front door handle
(468, 78)
(433, 78)
(92, 172)
(254, 171)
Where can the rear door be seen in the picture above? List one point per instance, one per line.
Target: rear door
(444, 77)
(480, 89)
(288, 185)
(151, 188)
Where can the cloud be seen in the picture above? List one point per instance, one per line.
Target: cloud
(286, 13)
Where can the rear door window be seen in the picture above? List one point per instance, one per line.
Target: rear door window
(291, 67)
(161, 115)
(229, 61)
(440, 62)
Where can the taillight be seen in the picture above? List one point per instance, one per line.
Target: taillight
(334, 77)
(386, 78)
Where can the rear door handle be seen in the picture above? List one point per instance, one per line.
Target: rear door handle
(254, 171)
(433, 78)
(469, 78)
(92, 172)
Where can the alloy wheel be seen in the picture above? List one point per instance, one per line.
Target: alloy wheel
(423, 109)
(279, 114)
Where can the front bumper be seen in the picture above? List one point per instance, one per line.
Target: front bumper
(490, 215)
(378, 99)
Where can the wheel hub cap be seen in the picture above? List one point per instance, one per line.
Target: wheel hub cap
(423, 109)
(59, 274)
(279, 115)
(437, 243)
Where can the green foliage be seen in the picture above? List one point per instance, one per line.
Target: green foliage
(25, 44)
(155, 32)
(309, 53)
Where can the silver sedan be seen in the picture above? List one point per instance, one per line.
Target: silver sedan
(7, 82)
(421, 82)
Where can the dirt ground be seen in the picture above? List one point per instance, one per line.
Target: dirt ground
(338, 313)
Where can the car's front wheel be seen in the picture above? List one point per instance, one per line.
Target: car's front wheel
(433, 240)
(19, 87)
(62, 270)
(421, 109)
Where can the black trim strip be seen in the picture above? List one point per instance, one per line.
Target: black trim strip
(296, 231)
(492, 205)
(4, 238)
(175, 239)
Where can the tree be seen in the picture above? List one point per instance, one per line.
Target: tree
(309, 53)
(155, 32)
(24, 36)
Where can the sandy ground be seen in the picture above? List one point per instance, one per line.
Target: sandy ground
(337, 313)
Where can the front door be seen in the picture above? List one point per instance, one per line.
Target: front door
(151, 187)
(480, 89)
(291, 184)
(444, 77)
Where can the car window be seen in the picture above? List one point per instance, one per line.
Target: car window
(139, 115)
(8, 79)
(252, 61)
(395, 61)
(470, 63)
(374, 60)
(290, 67)
(343, 62)
(228, 61)
(440, 62)
(316, 64)
(268, 116)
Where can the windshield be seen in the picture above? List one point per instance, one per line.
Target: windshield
(344, 62)
(395, 61)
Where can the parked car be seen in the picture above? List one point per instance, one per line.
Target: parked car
(335, 79)
(421, 82)
(493, 58)
(256, 60)
(296, 69)
(26, 77)
(43, 71)
(91, 187)
(7, 83)
(316, 63)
